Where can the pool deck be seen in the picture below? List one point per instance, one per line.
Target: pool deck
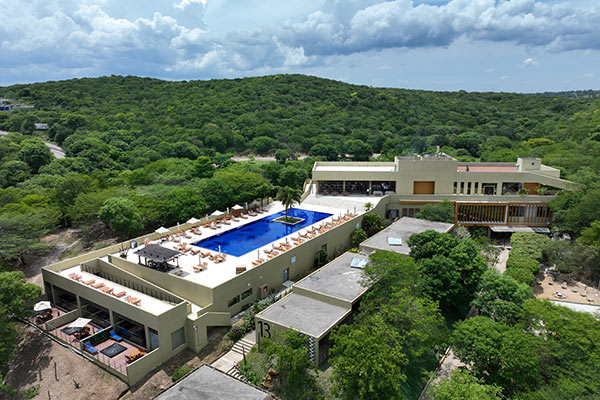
(219, 273)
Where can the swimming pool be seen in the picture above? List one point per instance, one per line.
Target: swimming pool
(242, 240)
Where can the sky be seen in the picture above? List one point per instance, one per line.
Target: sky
(474, 45)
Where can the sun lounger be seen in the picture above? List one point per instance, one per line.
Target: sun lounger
(120, 294)
(107, 290)
(74, 276)
(137, 302)
(91, 349)
(267, 251)
(194, 252)
(98, 285)
(132, 299)
(203, 254)
(114, 336)
(90, 282)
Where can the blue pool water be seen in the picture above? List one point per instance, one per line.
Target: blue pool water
(254, 235)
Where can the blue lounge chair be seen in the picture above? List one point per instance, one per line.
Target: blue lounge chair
(90, 348)
(115, 336)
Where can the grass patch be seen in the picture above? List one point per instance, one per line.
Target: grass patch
(255, 367)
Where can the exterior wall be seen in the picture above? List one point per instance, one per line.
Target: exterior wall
(164, 324)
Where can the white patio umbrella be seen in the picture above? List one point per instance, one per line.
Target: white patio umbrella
(161, 230)
(237, 207)
(41, 306)
(219, 249)
(192, 220)
(217, 213)
(79, 323)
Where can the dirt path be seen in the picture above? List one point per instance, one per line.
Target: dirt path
(61, 242)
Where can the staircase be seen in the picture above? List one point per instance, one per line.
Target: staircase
(242, 346)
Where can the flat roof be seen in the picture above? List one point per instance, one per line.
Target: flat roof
(355, 168)
(337, 279)
(148, 303)
(487, 168)
(304, 314)
(402, 229)
(208, 383)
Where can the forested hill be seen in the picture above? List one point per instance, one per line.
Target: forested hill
(137, 120)
(576, 94)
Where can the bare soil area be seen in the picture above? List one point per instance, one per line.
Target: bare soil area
(573, 290)
(39, 360)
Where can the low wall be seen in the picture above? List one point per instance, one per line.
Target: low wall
(139, 368)
(62, 320)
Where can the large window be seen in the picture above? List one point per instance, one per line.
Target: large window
(98, 314)
(130, 330)
(153, 339)
(64, 299)
(178, 338)
(489, 188)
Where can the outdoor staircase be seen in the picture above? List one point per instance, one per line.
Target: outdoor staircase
(242, 346)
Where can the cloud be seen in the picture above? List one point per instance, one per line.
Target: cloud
(589, 75)
(171, 38)
(531, 62)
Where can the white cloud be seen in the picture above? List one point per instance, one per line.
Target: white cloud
(531, 62)
(589, 75)
(184, 3)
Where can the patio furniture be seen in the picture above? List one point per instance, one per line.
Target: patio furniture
(113, 350)
(107, 290)
(132, 300)
(116, 337)
(98, 285)
(134, 355)
(91, 349)
(90, 282)
(120, 294)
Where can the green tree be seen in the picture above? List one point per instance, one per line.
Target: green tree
(326, 151)
(442, 212)
(282, 155)
(180, 205)
(367, 361)
(359, 150)
(500, 297)
(371, 224)
(287, 353)
(122, 216)
(35, 154)
(292, 176)
(21, 233)
(451, 267)
(462, 385)
(203, 167)
(288, 197)
(13, 172)
(264, 144)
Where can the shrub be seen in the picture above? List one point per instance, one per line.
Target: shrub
(180, 372)
(236, 333)
(525, 263)
(521, 275)
(532, 243)
(358, 236)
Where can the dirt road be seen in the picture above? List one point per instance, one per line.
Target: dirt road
(56, 150)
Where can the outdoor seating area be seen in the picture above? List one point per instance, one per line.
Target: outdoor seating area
(106, 288)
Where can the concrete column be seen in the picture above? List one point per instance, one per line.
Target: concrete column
(147, 333)
(343, 186)
(111, 318)
(78, 304)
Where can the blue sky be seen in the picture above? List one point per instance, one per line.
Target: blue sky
(476, 45)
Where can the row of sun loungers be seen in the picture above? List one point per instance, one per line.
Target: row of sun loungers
(104, 288)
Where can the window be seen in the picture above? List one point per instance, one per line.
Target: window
(233, 301)
(455, 187)
(489, 188)
(98, 314)
(153, 339)
(246, 293)
(178, 338)
(130, 329)
(469, 188)
(286, 275)
(324, 247)
(64, 299)
(293, 259)
(475, 187)
(462, 188)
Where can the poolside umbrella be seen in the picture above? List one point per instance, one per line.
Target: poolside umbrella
(258, 254)
(246, 205)
(217, 213)
(42, 306)
(161, 230)
(219, 249)
(237, 207)
(227, 210)
(192, 220)
(79, 323)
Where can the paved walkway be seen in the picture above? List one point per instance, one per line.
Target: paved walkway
(348, 203)
(57, 151)
(227, 363)
(501, 262)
